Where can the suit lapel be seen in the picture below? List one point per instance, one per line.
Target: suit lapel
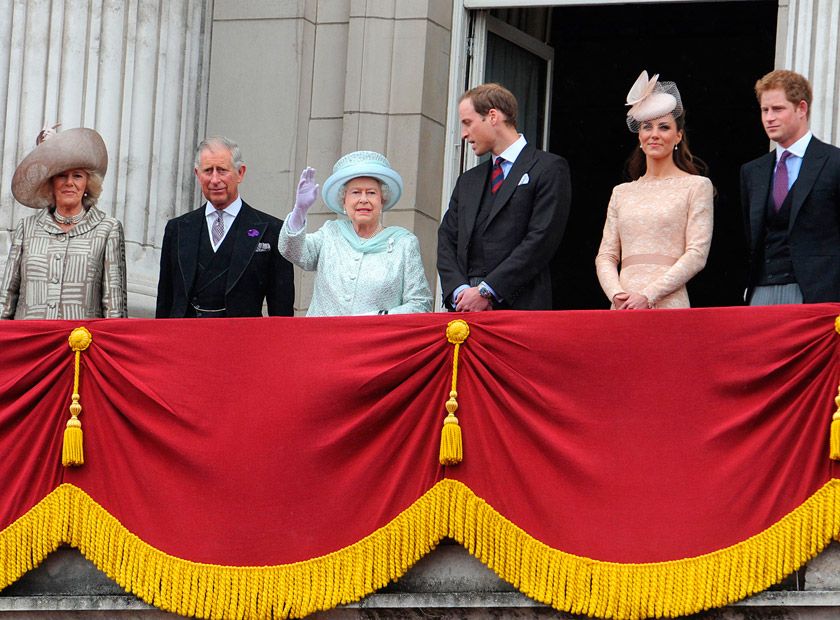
(762, 179)
(473, 194)
(189, 231)
(522, 165)
(812, 164)
(248, 231)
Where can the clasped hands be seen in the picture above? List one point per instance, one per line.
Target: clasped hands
(630, 301)
(470, 301)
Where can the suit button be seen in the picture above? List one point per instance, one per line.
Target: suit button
(353, 276)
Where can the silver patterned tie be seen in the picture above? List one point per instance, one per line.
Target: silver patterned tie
(218, 228)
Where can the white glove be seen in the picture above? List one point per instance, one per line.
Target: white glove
(307, 194)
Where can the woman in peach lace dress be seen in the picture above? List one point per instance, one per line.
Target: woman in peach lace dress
(659, 226)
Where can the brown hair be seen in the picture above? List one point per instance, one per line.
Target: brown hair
(796, 87)
(636, 164)
(486, 97)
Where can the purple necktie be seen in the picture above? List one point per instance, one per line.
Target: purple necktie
(497, 176)
(780, 181)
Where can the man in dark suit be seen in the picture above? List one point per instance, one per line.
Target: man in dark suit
(222, 260)
(506, 217)
(791, 201)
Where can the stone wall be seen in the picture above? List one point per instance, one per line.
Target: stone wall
(295, 82)
(135, 71)
(301, 83)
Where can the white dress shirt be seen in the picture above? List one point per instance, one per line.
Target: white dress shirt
(229, 214)
(794, 161)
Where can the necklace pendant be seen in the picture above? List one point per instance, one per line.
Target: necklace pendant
(73, 219)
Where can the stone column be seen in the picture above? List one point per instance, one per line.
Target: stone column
(133, 71)
(300, 84)
(395, 100)
(808, 41)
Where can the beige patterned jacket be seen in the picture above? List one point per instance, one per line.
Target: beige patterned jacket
(79, 274)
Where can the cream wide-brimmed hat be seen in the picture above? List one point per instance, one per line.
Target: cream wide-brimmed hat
(66, 150)
(362, 164)
(649, 99)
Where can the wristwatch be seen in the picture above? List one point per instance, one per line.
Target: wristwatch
(484, 291)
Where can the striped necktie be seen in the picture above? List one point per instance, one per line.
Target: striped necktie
(218, 229)
(497, 176)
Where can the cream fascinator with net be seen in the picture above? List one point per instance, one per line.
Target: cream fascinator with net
(649, 99)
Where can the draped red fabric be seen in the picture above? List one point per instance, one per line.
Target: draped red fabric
(649, 436)
(620, 436)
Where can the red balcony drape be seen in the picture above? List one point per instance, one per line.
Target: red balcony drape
(619, 464)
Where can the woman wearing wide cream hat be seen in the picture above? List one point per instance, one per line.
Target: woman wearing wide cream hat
(68, 260)
(362, 266)
(659, 225)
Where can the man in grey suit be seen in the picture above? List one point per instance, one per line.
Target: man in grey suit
(791, 201)
(506, 217)
(221, 260)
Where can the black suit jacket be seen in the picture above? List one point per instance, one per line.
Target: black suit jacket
(521, 233)
(252, 276)
(814, 229)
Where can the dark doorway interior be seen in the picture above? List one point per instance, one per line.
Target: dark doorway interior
(714, 51)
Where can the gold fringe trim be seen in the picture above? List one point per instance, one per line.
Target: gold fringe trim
(566, 582)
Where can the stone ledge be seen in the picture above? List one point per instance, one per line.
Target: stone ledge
(436, 600)
(71, 603)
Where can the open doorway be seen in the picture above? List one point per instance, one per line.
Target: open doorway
(714, 51)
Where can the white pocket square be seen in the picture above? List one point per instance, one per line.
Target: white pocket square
(263, 247)
(524, 180)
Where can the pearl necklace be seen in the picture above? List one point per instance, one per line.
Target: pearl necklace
(73, 219)
(373, 234)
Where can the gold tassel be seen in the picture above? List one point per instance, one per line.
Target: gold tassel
(451, 451)
(72, 451)
(835, 419)
(835, 429)
(451, 448)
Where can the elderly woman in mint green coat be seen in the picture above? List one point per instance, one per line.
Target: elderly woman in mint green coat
(362, 267)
